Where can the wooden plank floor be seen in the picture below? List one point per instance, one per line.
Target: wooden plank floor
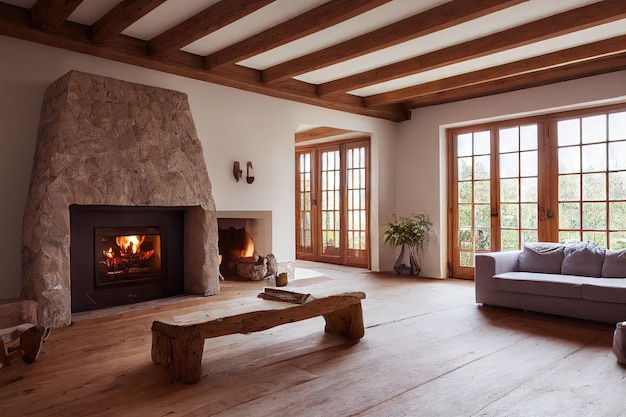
(428, 350)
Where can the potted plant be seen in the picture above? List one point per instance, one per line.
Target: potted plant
(411, 233)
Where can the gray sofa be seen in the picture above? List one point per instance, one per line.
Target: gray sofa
(579, 280)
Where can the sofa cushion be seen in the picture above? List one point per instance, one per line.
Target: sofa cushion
(614, 265)
(608, 290)
(549, 285)
(584, 258)
(542, 257)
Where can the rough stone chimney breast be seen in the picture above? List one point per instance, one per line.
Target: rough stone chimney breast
(108, 142)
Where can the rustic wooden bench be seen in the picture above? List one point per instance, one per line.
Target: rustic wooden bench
(178, 343)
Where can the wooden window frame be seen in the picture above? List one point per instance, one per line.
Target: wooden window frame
(547, 163)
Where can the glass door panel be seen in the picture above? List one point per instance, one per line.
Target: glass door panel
(497, 192)
(591, 155)
(473, 221)
(356, 185)
(304, 202)
(518, 162)
(330, 203)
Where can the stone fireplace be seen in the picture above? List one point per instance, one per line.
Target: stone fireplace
(106, 145)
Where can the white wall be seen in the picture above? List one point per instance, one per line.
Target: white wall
(421, 150)
(232, 125)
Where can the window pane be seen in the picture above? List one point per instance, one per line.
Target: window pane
(465, 192)
(528, 137)
(594, 186)
(481, 191)
(568, 132)
(569, 187)
(599, 238)
(569, 236)
(529, 236)
(569, 216)
(509, 216)
(529, 216)
(594, 216)
(617, 214)
(617, 155)
(510, 240)
(617, 240)
(509, 190)
(482, 215)
(594, 129)
(482, 143)
(509, 139)
(617, 186)
(529, 189)
(569, 160)
(464, 144)
(509, 165)
(594, 157)
(465, 215)
(481, 167)
(528, 162)
(617, 126)
(464, 168)
(466, 259)
(465, 239)
(482, 239)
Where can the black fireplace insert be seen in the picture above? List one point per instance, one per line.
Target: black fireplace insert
(123, 255)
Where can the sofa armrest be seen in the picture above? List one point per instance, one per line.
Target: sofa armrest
(486, 265)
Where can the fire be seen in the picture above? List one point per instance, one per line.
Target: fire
(130, 244)
(127, 255)
(249, 250)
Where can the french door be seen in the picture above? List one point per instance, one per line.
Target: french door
(332, 202)
(557, 178)
(495, 196)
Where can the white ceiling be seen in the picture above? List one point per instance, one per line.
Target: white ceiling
(173, 12)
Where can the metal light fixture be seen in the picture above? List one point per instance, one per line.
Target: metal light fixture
(236, 171)
(249, 173)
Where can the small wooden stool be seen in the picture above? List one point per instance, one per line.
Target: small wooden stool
(23, 340)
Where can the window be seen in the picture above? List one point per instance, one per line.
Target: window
(553, 178)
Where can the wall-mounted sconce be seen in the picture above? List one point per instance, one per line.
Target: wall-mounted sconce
(249, 173)
(236, 171)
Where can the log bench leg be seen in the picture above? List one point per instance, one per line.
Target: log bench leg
(182, 355)
(347, 322)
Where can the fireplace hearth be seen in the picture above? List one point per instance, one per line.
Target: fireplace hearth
(108, 143)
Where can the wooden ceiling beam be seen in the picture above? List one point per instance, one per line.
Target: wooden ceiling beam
(52, 13)
(208, 21)
(576, 54)
(322, 132)
(122, 16)
(567, 22)
(522, 81)
(321, 17)
(15, 22)
(429, 21)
